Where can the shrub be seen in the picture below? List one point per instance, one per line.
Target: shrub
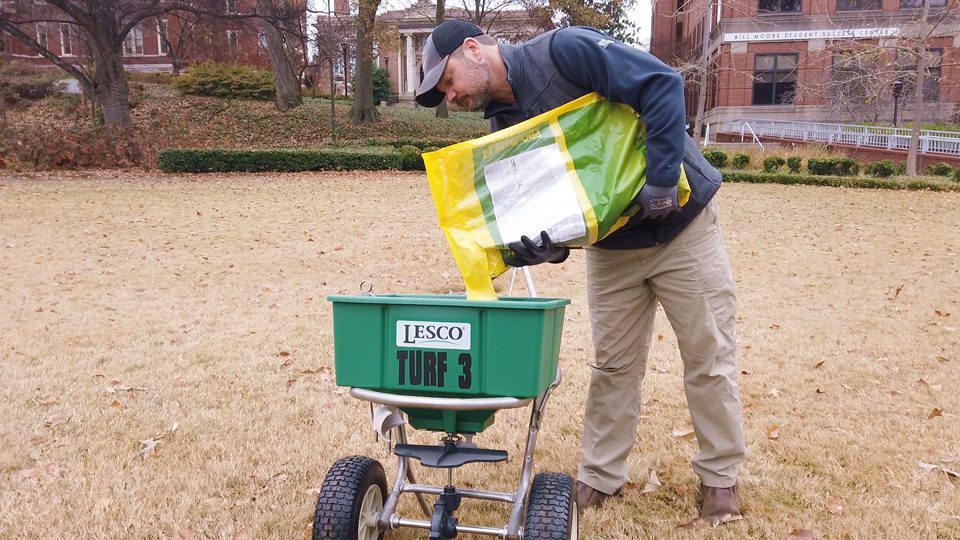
(369, 159)
(846, 166)
(411, 158)
(956, 174)
(740, 161)
(901, 168)
(794, 163)
(841, 166)
(940, 169)
(717, 158)
(881, 169)
(227, 80)
(773, 163)
(26, 81)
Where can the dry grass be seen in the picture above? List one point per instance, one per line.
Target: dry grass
(132, 305)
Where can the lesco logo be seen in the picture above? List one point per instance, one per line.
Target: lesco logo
(433, 335)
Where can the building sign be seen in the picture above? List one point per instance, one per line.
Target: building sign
(804, 35)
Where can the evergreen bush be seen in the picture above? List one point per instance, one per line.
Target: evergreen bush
(794, 163)
(881, 169)
(740, 161)
(773, 164)
(717, 158)
(227, 81)
(411, 158)
(340, 159)
(940, 169)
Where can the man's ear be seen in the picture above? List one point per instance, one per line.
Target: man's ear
(471, 49)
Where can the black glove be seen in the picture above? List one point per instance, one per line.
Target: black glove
(657, 201)
(528, 253)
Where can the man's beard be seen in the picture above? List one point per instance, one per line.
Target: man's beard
(479, 74)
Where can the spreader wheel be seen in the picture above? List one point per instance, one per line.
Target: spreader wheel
(350, 499)
(551, 508)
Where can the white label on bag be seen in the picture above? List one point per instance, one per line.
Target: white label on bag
(532, 192)
(433, 335)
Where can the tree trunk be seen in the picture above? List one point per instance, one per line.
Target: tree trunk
(284, 73)
(704, 78)
(918, 95)
(441, 111)
(363, 110)
(110, 81)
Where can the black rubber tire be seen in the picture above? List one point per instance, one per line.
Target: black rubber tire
(341, 498)
(551, 508)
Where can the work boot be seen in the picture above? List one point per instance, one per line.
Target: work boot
(587, 496)
(720, 505)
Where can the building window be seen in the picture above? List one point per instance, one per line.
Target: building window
(775, 79)
(907, 67)
(42, 35)
(231, 6)
(66, 45)
(779, 6)
(233, 39)
(163, 37)
(911, 4)
(857, 5)
(133, 44)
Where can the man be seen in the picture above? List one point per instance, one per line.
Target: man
(665, 253)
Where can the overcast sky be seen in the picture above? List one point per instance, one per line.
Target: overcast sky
(640, 16)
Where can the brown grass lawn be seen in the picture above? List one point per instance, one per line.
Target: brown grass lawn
(191, 311)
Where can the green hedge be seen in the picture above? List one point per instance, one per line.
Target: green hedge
(834, 181)
(367, 159)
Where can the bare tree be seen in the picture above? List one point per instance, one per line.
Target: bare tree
(284, 34)
(364, 111)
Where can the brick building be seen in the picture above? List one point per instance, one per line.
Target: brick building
(812, 60)
(188, 39)
(400, 43)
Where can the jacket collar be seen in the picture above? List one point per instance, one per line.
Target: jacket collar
(511, 58)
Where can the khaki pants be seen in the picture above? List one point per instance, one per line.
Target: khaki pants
(690, 275)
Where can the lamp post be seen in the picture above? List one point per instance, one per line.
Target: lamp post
(897, 89)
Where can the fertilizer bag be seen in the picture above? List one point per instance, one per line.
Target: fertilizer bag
(573, 172)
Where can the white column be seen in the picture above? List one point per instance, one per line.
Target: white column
(401, 79)
(412, 76)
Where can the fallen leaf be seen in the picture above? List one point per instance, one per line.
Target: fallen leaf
(313, 492)
(242, 533)
(745, 372)
(659, 338)
(291, 382)
(774, 393)
(177, 383)
(683, 432)
(935, 413)
(58, 421)
(950, 473)
(187, 534)
(927, 466)
(39, 472)
(284, 353)
(818, 391)
(846, 386)
(274, 305)
(102, 503)
(286, 365)
(894, 393)
(777, 326)
(652, 484)
(921, 382)
(800, 534)
(690, 524)
(835, 506)
(943, 359)
(115, 403)
(49, 400)
(150, 448)
(216, 502)
(683, 490)
(774, 432)
(820, 363)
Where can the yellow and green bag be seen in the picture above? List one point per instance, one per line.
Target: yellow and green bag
(573, 172)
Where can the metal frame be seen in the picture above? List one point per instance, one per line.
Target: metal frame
(388, 519)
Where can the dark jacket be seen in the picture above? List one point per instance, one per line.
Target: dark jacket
(562, 65)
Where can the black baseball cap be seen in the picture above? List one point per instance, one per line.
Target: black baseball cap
(447, 37)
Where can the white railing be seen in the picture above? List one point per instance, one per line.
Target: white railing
(931, 142)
